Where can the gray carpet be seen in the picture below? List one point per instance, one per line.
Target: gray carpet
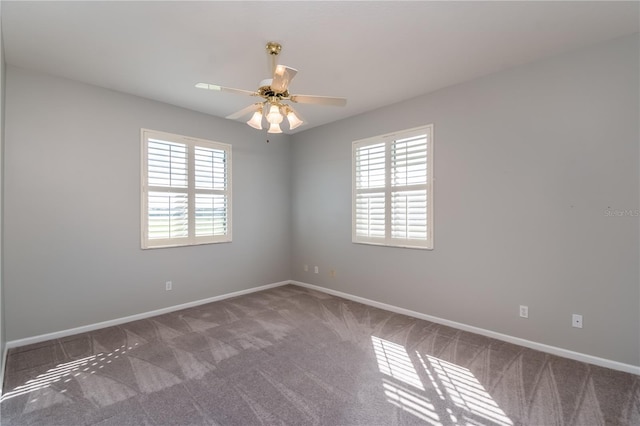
(294, 356)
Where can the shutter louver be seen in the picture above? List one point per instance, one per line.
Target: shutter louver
(409, 161)
(370, 167)
(210, 168)
(370, 182)
(409, 212)
(167, 204)
(167, 164)
(168, 215)
(211, 217)
(409, 193)
(370, 215)
(210, 203)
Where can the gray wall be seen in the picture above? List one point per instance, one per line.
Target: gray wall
(2, 91)
(527, 162)
(72, 208)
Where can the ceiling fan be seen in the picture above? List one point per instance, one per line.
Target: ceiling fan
(275, 91)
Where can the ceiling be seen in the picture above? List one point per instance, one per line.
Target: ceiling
(373, 53)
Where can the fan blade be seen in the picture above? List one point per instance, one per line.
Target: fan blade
(244, 111)
(239, 91)
(208, 86)
(282, 77)
(319, 100)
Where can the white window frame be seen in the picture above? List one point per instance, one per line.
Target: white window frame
(388, 189)
(190, 191)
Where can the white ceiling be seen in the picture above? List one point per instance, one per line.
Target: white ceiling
(373, 53)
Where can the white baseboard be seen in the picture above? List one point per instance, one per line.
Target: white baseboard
(118, 321)
(615, 365)
(602, 362)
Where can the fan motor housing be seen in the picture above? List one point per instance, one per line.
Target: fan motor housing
(266, 92)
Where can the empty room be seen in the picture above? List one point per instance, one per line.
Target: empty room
(320, 213)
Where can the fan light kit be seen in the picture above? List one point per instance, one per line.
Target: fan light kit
(274, 91)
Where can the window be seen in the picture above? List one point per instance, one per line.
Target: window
(186, 191)
(393, 189)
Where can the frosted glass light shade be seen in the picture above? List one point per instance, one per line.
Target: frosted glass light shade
(274, 128)
(274, 116)
(294, 120)
(256, 120)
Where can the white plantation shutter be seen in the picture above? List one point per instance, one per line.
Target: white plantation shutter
(167, 200)
(392, 189)
(210, 192)
(186, 190)
(409, 188)
(370, 183)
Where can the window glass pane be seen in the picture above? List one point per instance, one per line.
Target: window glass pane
(370, 215)
(167, 164)
(167, 215)
(370, 166)
(409, 214)
(211, 214)
(210, 168)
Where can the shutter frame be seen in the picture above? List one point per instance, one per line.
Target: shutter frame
(195, 165)
(408, 189)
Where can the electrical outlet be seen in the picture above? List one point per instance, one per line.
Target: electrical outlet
(316, 270)
(306, 268)
(576, 321)
(168, 285)
(524, 311)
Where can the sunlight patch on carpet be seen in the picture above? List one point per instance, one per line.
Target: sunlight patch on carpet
(449, 390)
(64, 373)
(394, 361)
(464, 390)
